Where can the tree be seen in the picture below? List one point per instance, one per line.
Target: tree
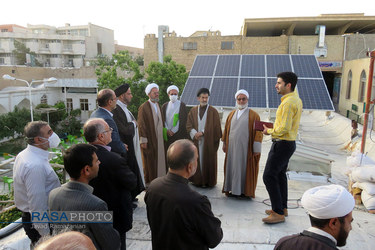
(166, 74)
(108, 70)
(20, 52)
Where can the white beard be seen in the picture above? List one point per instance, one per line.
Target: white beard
(240, 107)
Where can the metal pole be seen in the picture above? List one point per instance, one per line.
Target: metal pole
(368, 99)
(31, 104)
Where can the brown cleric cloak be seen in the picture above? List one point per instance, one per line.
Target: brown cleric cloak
(212, 135)
(181, 133)
(151, 155)
(252, 164)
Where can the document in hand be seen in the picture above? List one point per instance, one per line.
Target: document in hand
(258, 125)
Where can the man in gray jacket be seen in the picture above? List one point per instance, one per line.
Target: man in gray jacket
(82, 165)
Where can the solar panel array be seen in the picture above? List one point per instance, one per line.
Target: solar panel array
(224, 75)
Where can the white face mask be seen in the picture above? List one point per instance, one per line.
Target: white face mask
(173, 98)
(53, 140)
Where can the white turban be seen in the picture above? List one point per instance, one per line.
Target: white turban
(171, 88)
(326, 202)
(241, 91)
(150, 87)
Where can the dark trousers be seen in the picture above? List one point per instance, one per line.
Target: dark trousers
(31, 232)
(274, 176)
(123, 241)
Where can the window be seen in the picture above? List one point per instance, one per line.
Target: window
(4, 30)
(227, 45)
(2, 61)
(99, 46)
(84, 104)
(43, 99)
(190, 46)
(362, 87)
(69, 104)
(349, 85)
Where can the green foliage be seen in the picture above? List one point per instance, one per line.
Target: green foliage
(139, 60)
(20, 52)
(14, 122)
(166, 74)
(9, 215)
(107, 70)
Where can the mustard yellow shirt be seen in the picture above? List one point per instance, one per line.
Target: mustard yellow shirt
(288, 115)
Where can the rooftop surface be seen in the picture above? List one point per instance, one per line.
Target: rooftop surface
(241, 218)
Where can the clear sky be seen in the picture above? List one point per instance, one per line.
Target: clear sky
(131, 20)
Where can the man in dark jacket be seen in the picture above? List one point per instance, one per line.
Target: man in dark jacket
(128, 130)
(107, 103)
(179, 217)
(330, 211)
(115, 180)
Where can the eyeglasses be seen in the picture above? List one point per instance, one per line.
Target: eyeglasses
(241, 99)
(109, 130)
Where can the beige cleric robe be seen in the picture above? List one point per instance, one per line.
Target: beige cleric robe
(252, 162)
(206, 175)
(150, 127)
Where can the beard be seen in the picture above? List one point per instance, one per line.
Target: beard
(341, 238)
(203, 104)
(154, 99)
(240, 107)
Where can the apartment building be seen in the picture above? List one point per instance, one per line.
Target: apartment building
(67, 46)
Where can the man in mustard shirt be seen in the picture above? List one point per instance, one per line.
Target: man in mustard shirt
(284, 133)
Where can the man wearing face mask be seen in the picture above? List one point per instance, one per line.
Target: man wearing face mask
(175, 117)
(204, 127)
(150, 124)
(34, 177)
(242, 145)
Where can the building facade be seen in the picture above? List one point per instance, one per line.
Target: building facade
(333, 38)
(68, 46)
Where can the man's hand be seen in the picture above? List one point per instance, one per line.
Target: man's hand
(198, 135)
(265, 130)
(224, 147)
(126, 147)
(144, 145)
(256, 154)
(170, 133)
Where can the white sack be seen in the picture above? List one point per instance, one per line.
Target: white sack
(366, 186)
(363, 174)
(368, 200)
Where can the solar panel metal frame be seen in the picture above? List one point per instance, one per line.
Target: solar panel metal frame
(272, 102)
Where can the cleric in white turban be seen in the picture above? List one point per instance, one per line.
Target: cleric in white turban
(150, 87)
(241, 91)
(325, 202)
(172, 87)
(330, 211)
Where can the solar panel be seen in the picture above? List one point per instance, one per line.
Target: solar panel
(228, 65)
(225, 74)
(257, 91)
(302, 65)
(253, 65)
(223, 91)
(189, 95)
(273, 97)
(277, 64)
(314, 94)
(204, 66)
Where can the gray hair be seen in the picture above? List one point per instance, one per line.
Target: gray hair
(92, 128)
(32, 130)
